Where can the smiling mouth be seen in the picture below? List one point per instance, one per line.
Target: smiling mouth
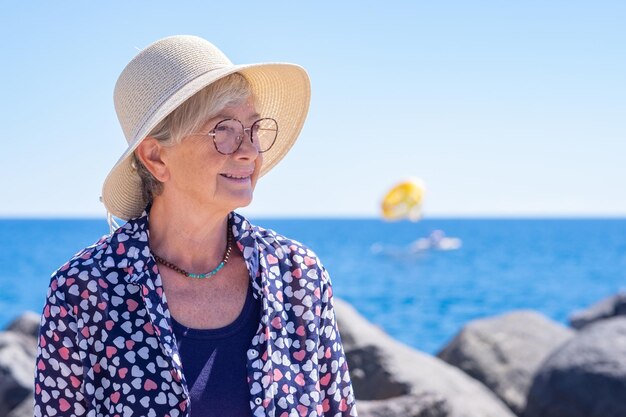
(236, 177)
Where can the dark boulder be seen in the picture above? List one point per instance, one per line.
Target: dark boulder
(394, 380)
(27, 324)
(586, 377)
(606, 308)
(25, 409)
(17, 370)
(18, 349)
(419, 405)
(503, 352)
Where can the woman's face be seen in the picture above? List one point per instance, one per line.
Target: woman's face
(200, 174)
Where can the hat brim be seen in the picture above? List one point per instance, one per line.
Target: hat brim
(282, 91)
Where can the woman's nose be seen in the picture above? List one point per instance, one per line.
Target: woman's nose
(248, 148)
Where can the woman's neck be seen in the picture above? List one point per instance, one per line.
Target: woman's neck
(192, 239)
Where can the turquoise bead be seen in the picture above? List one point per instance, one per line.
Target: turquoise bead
(208, 274)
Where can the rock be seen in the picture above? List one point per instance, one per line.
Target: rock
(27, 324)
(25, 409)
(17, 369)
(603, 309)
(586, 377)
(392, 373)
(422, 405)
(504, 352)
(26, 343)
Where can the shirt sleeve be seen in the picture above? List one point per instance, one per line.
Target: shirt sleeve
(335, 385)
(59, 370)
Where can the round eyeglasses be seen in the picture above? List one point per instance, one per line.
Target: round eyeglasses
(228, 135)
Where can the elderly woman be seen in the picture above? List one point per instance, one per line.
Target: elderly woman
(188, 309)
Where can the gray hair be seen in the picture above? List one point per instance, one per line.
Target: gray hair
(189, 117)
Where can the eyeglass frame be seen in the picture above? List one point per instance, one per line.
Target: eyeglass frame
(245, 129)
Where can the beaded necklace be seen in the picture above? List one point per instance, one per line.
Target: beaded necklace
(207, 274)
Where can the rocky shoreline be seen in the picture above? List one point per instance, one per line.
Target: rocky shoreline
(518, 364)
(18, 349)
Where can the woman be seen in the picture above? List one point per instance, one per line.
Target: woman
(188, 309)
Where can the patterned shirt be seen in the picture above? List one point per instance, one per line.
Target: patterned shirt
(106, 344)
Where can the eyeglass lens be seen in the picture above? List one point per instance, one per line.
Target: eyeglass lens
(230, 133)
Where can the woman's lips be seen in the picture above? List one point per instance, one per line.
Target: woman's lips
(237, 178)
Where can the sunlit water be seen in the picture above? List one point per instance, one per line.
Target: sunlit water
(421, 298)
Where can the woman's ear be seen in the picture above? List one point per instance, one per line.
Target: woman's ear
(150, 152)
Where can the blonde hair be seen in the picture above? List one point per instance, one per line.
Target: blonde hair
(189, 117)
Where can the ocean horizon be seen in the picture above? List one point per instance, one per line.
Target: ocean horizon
(421, 296)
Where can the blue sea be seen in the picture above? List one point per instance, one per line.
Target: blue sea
(423, 298)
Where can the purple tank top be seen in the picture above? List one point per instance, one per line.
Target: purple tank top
(214, 363)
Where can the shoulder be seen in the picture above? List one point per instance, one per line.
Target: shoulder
(66, 281)
(85, 258)
(273, 239)
(98, 265)
(297, 256)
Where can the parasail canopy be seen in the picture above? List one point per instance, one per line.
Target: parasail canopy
(404, 200)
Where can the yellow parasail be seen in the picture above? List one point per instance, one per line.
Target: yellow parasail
(404, 201)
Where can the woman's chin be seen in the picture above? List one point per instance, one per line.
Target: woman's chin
(240, 201)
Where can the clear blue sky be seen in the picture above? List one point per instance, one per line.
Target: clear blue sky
(502, 108)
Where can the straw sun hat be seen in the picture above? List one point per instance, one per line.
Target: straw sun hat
(168, 72)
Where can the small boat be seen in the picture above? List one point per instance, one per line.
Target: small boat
(437, 240)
